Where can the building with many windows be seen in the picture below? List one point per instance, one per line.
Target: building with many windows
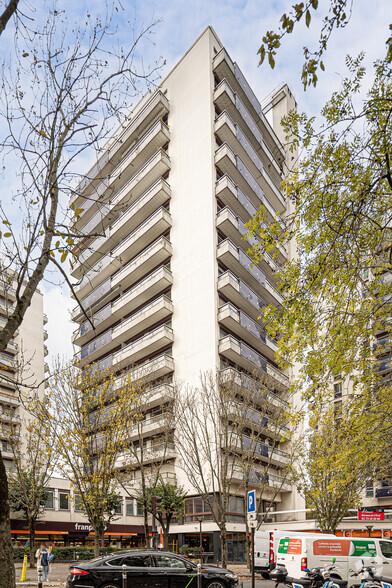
(22, 362)
(167, 280)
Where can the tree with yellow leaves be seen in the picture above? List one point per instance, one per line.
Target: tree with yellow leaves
(90, 412)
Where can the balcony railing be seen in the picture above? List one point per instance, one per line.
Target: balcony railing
(250, 384)
(245, 291)
(384, 492)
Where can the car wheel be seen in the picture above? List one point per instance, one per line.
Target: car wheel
(216, 584)
(110, 586)
(265, 575)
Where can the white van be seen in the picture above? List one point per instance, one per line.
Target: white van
(266, 547)
(298, 552)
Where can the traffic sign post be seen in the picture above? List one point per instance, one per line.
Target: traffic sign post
(252, 522)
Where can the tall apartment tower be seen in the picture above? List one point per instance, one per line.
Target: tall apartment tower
(169, 286)
(22, 362)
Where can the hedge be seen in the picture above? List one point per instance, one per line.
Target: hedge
(69, 553)
(190, 551)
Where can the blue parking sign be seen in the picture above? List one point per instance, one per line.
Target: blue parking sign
(251, 506)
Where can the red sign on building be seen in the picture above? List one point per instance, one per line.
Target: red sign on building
(371, 514)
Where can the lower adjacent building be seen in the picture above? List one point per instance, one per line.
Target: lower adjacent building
(22, 363)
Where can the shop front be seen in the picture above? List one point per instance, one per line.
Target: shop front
(76, 534)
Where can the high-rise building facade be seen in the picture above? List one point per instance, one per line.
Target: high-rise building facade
(22, 364)
(167, 280)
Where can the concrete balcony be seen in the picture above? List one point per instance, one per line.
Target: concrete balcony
(243, 297)
(151, 426)
(127, 250)
(253, 448)
(250, 360)
(242, 381)
(156, 396)
(228, 70)
(154, 369)
(230, 132)
(7, 362)
(148, 288)
(156, 106)
(241, 265)
(154, 255)
(138, 322)
(230, 163)
(126, 222)
(234, 228)
(243, 326)
(150, 455)
(262, 479)
(9, 399)
(146, 345)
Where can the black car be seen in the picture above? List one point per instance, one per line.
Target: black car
(147, 569)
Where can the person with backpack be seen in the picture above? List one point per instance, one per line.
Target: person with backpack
(42, 557)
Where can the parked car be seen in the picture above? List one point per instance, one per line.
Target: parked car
(147, 569)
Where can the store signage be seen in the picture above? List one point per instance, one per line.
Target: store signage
(371, 514)
(81, 527)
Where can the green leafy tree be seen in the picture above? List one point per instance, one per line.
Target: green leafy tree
(338, 291)
(336, 463)
(172, 504)
(336, 17)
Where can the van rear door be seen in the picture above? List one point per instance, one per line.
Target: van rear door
(262, 549)
(291, 550)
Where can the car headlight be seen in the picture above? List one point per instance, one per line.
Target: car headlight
(232, 576)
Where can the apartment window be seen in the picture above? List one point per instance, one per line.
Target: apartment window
(49, 502)
(139, 509)
(236, 509)
(63, 501)
(119, 507)
(338, 390)
(197, 507)
(369, 489)
(129, 507)
(78, 504)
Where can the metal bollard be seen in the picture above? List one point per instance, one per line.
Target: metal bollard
(124, 576)
(198, 575)
(39, 569)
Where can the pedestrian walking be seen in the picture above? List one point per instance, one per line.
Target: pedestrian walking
(42, 557)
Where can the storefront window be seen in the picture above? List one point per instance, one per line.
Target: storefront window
(49, 502)
(64, 501)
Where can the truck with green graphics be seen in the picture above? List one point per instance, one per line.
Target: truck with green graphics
(297, 553)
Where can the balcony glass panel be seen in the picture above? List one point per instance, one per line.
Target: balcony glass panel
(254, 357)
(247, 293)
(95, 344)
(250, 238)
(246, 203)
(252, 326)
(97, 318)
(244, 112)
(257, 447)
(253, 269)
(102, 365)
(249, 149)
(96, 294)
(249, 179)
(247, 89)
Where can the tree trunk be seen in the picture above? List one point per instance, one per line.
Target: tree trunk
(103, 539)
(96, 543)
(223, 545)
(32, 541)
(145, 520)
(7, 569)
(166, 536)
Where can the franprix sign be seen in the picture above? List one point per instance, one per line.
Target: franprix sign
(371, 514)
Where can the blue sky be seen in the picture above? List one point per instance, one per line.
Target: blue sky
(240, 25)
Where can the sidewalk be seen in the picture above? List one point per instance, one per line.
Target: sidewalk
(58, 573)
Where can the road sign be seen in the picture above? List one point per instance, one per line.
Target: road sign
(252, 523)
(251, 504)
(251, 516)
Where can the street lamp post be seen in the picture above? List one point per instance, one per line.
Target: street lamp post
(369, 528)
(200, 520)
